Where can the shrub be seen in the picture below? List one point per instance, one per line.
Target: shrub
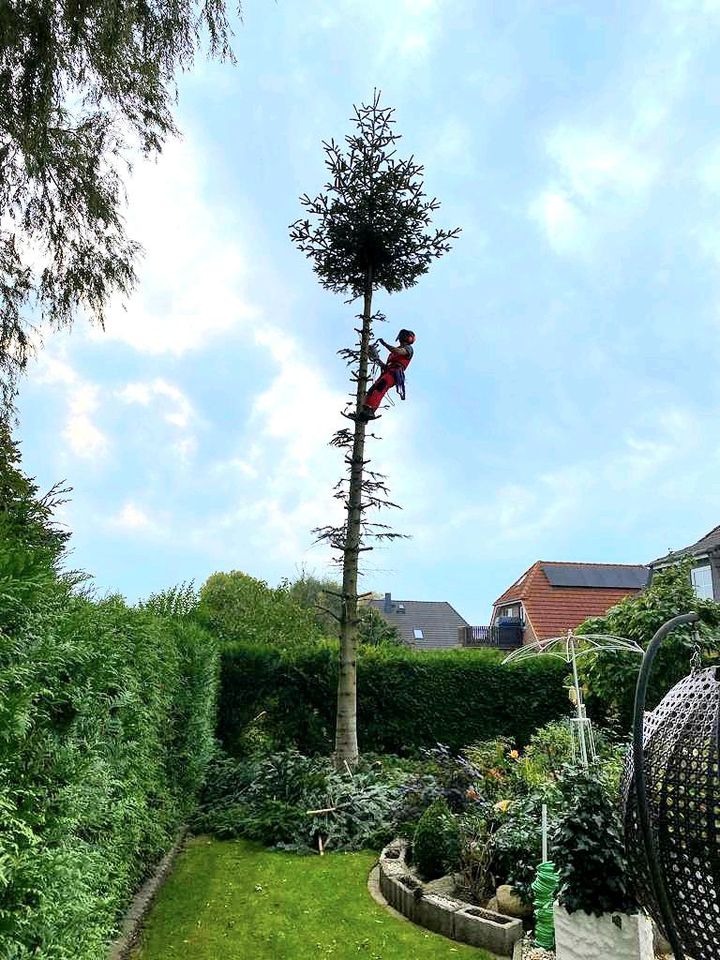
(436, 843)
(239, 609)
(477, 843)
(588, 850)
(106, 725)
(611, 677)
(406, 699)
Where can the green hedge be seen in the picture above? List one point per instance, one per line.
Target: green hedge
(106, 725)
(406, 700)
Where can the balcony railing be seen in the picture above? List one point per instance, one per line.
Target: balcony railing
(502, 637)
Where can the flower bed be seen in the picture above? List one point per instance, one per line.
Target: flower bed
(452, 917)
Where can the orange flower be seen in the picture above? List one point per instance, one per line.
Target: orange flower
(514, 755)
(472, 793)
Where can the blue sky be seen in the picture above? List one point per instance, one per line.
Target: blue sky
(563, 403)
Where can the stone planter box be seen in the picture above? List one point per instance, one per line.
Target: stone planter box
(453, 918)
(621, 936)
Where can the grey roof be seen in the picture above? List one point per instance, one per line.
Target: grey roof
(710, 541)
(439, 622)
(607, 576)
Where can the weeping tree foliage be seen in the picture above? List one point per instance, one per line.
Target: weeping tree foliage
(80, 81)
(369, 230)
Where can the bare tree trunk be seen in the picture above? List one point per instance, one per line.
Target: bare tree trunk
(346, 743)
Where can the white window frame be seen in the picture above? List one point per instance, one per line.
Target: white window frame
(701, 577)
(418, 634)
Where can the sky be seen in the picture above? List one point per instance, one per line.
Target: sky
(563, 402)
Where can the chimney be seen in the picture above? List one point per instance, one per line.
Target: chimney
(387, 607)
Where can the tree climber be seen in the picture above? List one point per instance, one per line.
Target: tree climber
(393, 374)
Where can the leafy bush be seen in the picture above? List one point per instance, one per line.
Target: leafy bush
(517, 849)
(436, 843)
(407, 699)
(588, 850)
(269, 799)
(477, 846)
(239, 609)
(106, 726)
(611, 678)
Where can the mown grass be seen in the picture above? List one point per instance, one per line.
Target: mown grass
(233, 900)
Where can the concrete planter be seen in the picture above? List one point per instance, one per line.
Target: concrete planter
(621, 936)
(453, 918)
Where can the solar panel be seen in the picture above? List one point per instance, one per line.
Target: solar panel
(586, 575)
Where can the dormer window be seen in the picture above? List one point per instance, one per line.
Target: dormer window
(702, 582)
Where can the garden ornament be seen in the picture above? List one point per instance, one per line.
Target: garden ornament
(671, 795)
(570, 647)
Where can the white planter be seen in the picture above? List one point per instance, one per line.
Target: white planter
(614, 936)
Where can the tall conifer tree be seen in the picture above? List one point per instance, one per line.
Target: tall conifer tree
(369, 230)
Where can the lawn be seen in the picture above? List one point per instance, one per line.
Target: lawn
(233, 900)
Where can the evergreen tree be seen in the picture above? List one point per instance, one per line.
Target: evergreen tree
(80, 80)
(369, 230)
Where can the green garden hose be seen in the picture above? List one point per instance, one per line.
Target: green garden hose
(544, 887)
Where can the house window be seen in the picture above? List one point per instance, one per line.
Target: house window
(511, 611)
(702, 582)
(418, 634)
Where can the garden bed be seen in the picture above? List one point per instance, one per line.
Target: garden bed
(453, 917)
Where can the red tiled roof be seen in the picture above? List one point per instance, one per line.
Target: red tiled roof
(550, 611)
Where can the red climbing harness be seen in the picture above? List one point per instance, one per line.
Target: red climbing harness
(393, 374)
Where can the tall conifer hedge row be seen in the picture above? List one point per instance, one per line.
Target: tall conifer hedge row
(106, 723)
(406, 700)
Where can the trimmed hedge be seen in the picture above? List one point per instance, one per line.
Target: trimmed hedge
(106, 726)
(406, 699)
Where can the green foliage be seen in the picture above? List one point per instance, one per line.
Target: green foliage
(611, 677)
(239, 609)
(322, 596)
(409, 699)
(475, 861)
(268, 799)
(374, 216)
(106, 727)
(588, 850)
(178, 601)
(374, 630)
(25, 515)
(518, 843)
(79, 84)
(436, 842)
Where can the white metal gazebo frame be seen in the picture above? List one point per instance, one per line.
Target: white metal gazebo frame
(570, 647)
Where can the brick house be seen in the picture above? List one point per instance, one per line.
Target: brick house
(705, 573)
(552, 597)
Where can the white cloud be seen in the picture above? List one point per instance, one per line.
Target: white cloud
(597, 165)
(180, 411)
(82, 435)
(600, 182)
(193, 277)
(133, 519)
(564, 225)
(85, 438)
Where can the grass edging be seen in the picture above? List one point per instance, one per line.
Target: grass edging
(143, 901)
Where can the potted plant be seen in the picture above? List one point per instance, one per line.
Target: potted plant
(596, 915)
